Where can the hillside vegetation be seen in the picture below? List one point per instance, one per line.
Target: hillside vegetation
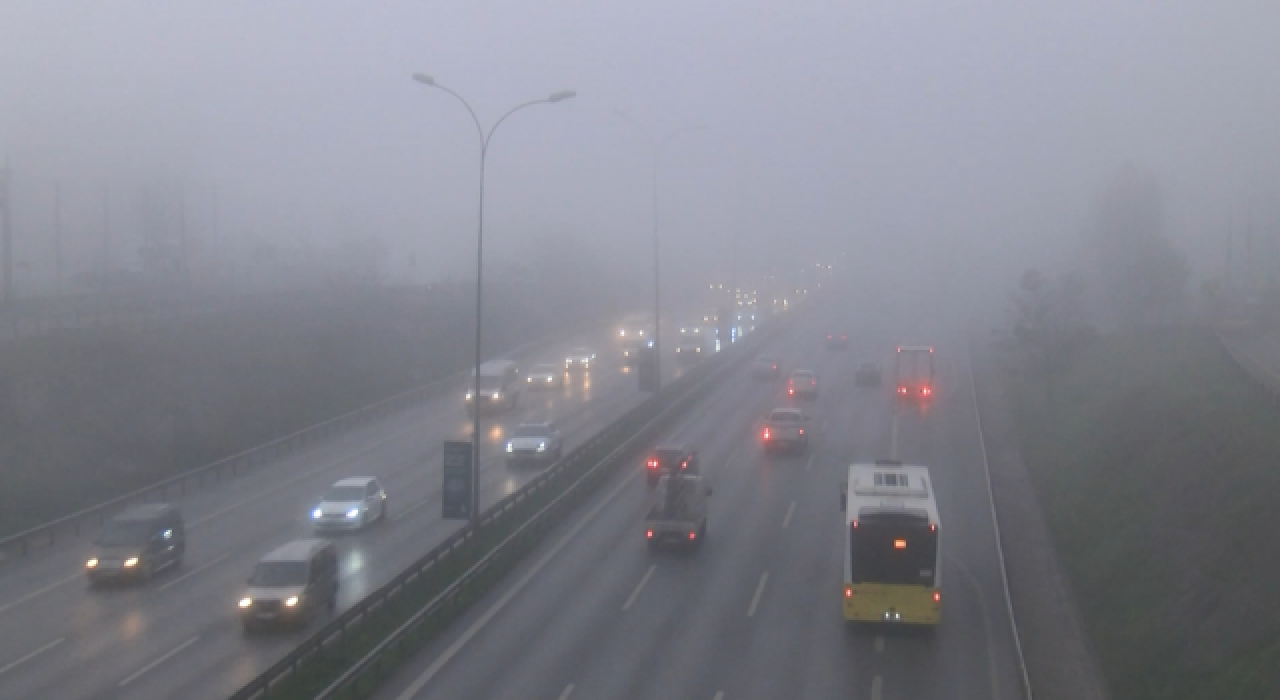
(89, 413)
(1158, 465)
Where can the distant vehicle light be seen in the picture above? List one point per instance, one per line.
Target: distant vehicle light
(510, 447)
(855, 524)
(621, 333)
(130, 562)
(317, 513)
(530, 380)
(549, 380)
(246, 602)
(937, 596)
(648, 533)
(926, 391)
(353, 513)
(792, 391)
(693, 536)
(766, 433)
(902, 390)
(933, 527)
(848, 591)
(91, 564)
(802, 431)
(291, 601)
(468, 396)
(542, 447)
(653, 464)
(899, 544)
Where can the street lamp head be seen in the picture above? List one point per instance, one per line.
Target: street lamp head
(562, 96)
(424, 79)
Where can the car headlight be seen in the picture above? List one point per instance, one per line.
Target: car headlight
(353, 513)
(291, 601)
(317, 513)
(542, 447)
(130, 562)
(530, 380)
(496, 396)
(468, 396)
(246, 602)
(510, 447)
(549, 380)
(621, 333)
(91, 564)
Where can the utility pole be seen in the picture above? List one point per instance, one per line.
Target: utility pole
(6, 236)
(106, 231)
(57, 238)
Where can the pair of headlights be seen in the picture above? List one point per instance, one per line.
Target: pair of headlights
(353, 513)
(289, 602)
(542, 447)
(128, 563)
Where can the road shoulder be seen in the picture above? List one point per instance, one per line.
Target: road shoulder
(1060, 659)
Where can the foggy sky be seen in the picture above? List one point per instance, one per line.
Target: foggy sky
(927, 134)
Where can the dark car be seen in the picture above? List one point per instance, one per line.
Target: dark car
(837, 341)
(867, 374)
(137, 543)
(669, 459)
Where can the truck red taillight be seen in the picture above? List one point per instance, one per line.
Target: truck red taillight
(937, 596)
(766, 433)
(693, 536)
(848, 591)
(653, 464)
(648, 533)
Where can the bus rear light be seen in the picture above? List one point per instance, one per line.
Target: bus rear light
(937, 597)
(848, 591)
(899, 544)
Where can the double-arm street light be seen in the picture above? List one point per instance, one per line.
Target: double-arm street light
(485, 138)
(657, 145)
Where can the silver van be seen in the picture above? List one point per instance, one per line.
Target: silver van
(291, 585)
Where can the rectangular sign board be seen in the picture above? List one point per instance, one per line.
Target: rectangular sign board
(456, 496)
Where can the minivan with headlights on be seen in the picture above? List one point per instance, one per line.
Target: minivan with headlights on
(291, 585)
(350, 504)
(136, 543)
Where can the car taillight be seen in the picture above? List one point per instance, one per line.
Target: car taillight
(648, 533)
(693, 535)
(813, 382)
(802, 431)
(791, 391)
(775, 366)
(766, 433)
(937, 596)
(902, 390)
(926, 391)
(653, 464)
(684, 465)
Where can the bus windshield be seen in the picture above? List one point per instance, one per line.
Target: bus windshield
(893, 550)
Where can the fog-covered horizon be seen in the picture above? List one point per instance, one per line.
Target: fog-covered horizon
(930, 136)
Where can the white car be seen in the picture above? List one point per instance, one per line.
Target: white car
(544, 377)
(537, 443)
(350, 504)
(580, 359)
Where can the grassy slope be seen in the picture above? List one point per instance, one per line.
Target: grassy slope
(92, 413)
(1158, 464)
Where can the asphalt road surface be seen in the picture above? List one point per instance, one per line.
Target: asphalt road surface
(178, 636)
(755, 611)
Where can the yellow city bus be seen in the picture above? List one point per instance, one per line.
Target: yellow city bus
(892, 553)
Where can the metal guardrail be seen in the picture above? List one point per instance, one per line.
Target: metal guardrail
(629, 431)
(1265, 377)
(227, 467)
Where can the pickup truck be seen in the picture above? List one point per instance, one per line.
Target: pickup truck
(678, 515)
(786, 428)
(669, 459)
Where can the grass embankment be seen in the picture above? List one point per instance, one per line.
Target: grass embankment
(1158, 466)
(91, 413)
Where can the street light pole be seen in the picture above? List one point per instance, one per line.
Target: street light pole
(485, 138)
(656, 145)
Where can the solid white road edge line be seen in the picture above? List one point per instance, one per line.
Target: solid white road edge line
(755, 600)
(879, 643)
(787, 520)
(995, 524)
(501, 603)
(32, 655)
(568, 690)
(159, 661)
(877, 687)
(639, 587)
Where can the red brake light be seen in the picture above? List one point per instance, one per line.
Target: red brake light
(766, 433)
(899, 544)
(791, 390)
(828, 337)
(653, 464)
(684, 465)
(693, 535)
(848, 591)
(902, 390)
(775, 366)
(802, 431)
(926, 391)
(933, 527)
(937, 597)
(648, 533)
(813, 382)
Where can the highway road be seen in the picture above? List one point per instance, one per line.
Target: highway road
(1259, 354)
(178, 636)
(755, 612)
